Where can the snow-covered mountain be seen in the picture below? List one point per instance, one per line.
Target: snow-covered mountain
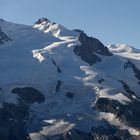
(60, 84)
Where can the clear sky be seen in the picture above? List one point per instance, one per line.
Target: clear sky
(111, 21)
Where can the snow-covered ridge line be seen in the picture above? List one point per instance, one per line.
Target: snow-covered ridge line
(42, 57)
(123, 48)
(55, 29)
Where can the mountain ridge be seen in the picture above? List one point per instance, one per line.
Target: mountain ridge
(66, 85)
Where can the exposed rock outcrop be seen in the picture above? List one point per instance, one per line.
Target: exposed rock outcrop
(3, 37)
(58, 69)
(12, 117)
(41, 20)
(109, 132)
(70, 95)
(131, 93)
(136, 71)
(29, 94)
(90, 48)
(58, 85)
(126, 113)
(12, 121)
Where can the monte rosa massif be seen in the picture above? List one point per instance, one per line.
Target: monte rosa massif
(61, 84)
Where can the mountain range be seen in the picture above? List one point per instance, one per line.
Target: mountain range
(61, 84)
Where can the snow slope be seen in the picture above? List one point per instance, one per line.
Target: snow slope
(42, 55)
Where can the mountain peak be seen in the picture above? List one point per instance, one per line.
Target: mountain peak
(50, 89)
(53, 28)
(42, 20)
(122, 48)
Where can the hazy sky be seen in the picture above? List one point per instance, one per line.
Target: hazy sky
(111, 21)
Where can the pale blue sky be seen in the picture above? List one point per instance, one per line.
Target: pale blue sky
(111, 21)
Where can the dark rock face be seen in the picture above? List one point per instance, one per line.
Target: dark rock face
(3, 37)
(128, 113)
(109, 132)
(39, 21)
(29, 94)
(129, 91)
(89, 49)
(11, 122)
(100, 81)
(77, 135)
(70, 95)
(58, 69)
(58, 85)
(134, 68)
